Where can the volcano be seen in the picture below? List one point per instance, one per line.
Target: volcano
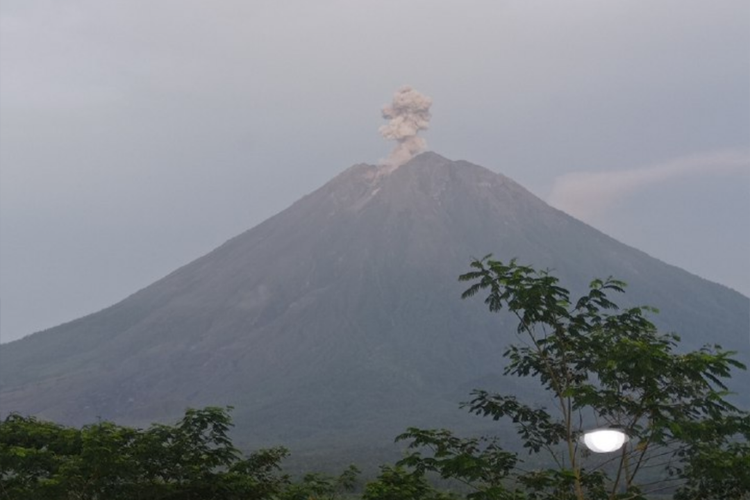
(337, 323)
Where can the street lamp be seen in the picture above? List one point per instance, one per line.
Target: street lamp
(604, 440)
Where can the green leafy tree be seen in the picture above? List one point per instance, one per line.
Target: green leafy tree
(397, 483)
(192, 460)
(601, 366)
(32, 453)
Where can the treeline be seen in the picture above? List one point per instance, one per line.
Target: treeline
(192, 460)
(600, 365)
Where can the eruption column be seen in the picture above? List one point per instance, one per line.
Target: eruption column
(408, 114)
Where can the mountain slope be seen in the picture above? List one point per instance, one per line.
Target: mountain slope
(338, 321)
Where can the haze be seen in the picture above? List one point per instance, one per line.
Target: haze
(136, 136)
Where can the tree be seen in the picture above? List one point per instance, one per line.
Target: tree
(194, 459)
(601, 366)
(396, 483)
(191, 460)
(32, 452)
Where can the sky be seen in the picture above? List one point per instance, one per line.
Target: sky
(138, 135)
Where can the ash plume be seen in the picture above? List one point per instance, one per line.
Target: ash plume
(408, 114)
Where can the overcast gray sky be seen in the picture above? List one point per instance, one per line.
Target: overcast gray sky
(137, 135)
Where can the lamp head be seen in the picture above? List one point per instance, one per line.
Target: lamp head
(604, 440)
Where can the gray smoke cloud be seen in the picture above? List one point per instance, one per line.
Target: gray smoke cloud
(408, 114)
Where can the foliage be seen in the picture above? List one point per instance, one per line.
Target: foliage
(470, 461)
(321, 487)
(601, 366)
(194, 459)
(396, 483)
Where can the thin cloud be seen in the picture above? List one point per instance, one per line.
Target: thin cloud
(586, 195)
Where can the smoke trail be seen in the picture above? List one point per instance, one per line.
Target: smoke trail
(408, 114)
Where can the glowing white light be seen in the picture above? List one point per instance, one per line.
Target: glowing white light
(604, 440)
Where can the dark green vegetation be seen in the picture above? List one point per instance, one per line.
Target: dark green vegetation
(194, 459)
(600, 366)
(334, 325)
